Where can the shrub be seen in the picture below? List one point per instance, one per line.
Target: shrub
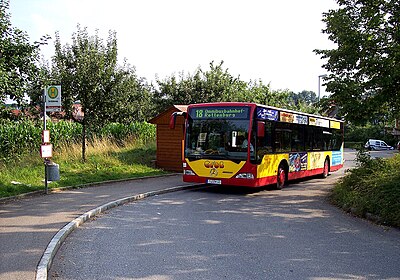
(373, 187)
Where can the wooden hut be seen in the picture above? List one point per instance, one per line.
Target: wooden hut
(170, 141)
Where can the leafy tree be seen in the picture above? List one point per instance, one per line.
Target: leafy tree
(365, 65)
(18, 58)
(136, 98)
(218, 85)
(308, 97)
(88, 72)
(305, 101)
(213, 85)
(260, 92)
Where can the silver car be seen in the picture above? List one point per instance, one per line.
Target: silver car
(373, 144)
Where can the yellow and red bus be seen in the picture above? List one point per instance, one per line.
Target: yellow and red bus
(253, 145)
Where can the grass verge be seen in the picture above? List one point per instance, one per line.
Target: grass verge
(105, 161)
(372, 189)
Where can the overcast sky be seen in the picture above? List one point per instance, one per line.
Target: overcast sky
(257, 39)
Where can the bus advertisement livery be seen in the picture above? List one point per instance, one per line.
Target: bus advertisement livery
(252, 145)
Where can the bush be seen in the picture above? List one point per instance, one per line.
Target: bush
(354, 145)
(373, 187)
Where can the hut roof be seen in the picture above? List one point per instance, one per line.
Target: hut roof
(164, 116)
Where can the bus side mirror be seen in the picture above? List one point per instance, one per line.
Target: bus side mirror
(172, 121)
(260, 129)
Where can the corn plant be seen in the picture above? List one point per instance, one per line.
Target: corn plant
(24, 137)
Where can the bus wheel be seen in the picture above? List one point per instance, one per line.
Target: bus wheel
(281, 177)
(325, 173)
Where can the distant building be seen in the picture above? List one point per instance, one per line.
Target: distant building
(395, 131)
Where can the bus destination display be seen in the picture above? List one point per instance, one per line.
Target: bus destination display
(219, 113)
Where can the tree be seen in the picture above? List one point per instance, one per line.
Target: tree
(305, 101)
(18, 58)
(213, 85)
(308, 97)
(365, 65)
(218, 85)
(136, 102)
(88, 72)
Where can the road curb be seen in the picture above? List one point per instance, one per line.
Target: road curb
(55, 243)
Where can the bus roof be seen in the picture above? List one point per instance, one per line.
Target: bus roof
(260, 105)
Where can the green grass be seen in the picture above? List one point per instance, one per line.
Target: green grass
(373, 188)
(105, 161)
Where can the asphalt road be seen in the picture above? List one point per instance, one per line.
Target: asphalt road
(220, 233)
(27, 225)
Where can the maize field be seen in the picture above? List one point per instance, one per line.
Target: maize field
(18, 138)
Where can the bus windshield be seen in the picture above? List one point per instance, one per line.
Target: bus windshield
(218, 135)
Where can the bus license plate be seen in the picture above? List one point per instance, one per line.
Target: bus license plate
(213, 181)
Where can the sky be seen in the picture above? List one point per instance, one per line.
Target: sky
(266, 40)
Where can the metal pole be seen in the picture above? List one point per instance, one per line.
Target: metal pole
(319, 85)
(46, 188)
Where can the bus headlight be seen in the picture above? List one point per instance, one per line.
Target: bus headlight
(245, 176)
(188, 172)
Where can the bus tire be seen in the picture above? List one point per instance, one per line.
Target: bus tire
(325, 171)
(281, 178)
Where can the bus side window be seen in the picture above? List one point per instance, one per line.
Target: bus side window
(309, 138)
(286, 140)
(283, 135)
(297, 138)
(337, 139)
(268, 137)
(327, 138)
(318, 144)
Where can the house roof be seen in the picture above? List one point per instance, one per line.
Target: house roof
(163, 117)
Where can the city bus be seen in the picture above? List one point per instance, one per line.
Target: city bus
(253, 145)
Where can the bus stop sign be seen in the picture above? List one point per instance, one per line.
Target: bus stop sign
(53, 99)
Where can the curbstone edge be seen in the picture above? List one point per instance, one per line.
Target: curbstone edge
(55, 243)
